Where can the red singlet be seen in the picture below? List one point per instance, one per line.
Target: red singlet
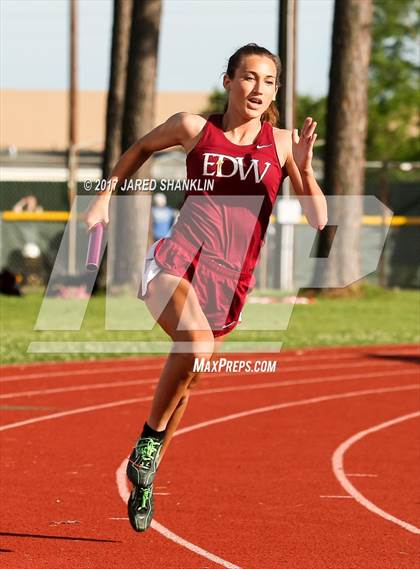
(217, 238)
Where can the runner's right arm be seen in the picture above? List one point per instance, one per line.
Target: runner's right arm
(180, 129)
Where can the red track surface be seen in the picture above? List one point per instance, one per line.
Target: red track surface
(258, 490)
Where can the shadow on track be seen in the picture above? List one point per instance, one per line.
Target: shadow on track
(412, 359)
(40, 536)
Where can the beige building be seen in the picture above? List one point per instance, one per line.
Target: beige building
(38, 120)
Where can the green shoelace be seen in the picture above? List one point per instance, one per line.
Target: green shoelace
(145, 497)
(147, 450)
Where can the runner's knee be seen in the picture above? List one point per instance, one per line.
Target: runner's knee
(194, 344)
(193, 382)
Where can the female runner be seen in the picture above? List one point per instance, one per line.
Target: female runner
(195, 282)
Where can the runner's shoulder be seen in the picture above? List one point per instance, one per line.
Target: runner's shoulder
(188, 125)
(282, 134)
(282, 137)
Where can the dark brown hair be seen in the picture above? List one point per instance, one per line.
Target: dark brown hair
(271, 115)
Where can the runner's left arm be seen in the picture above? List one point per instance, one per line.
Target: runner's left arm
(299, 151)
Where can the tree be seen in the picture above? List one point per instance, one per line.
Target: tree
(216, 103)
(115, 108)
(117, 81)
(138, 119)
(394, 95)
(346, 133)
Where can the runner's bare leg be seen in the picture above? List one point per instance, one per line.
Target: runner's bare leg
(184, 321)
(182, 405)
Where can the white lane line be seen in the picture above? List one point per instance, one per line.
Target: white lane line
(363, 475)
(75, 362)
(89, 386)
(85, 387)
(70, 412)
(124, 492)
(338, 352)
(121, 478)
(338, 469)
(123, 488)
(319, 399)
(215, 390)
(70, 373)
(114, 369)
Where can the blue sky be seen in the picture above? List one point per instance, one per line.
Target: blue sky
(197, 38)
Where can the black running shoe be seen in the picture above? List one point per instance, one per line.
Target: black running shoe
(142, 464)
(140, 507)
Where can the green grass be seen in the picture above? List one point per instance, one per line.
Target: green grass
(378, 317)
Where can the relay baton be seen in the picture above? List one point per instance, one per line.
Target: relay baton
(94, 247)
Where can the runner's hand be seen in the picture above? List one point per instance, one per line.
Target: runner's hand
(97, 212)
(302, 145)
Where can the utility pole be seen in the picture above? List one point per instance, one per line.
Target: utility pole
(286, 104)
(72, 144)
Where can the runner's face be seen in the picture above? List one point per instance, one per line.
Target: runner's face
(253, 87)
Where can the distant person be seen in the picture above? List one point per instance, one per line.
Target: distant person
(162, 217)
(9, 283)
(27, 203)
